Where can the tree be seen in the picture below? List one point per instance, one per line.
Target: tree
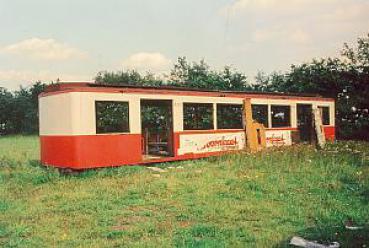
(19, 111)
(6, 108)
(198, 75)
(346, 79)
(129, 77)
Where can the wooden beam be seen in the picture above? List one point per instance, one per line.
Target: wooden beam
(250, 131)
(318, 124)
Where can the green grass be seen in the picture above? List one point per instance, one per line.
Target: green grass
(238, 200)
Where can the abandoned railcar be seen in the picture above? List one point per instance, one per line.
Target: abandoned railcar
(84, 125)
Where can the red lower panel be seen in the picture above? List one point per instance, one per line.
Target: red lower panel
(330, 133)
(90, 151)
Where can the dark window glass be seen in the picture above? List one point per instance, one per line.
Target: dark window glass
(112, 117)
(325, 115)
(198, 116)
(229, 116)
(260, 114)
(281, 116)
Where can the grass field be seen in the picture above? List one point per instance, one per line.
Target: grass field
(238, 200)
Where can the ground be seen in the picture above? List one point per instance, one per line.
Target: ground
(239, 200)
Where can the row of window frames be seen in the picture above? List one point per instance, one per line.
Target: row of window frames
(200, 116)
(113, 116)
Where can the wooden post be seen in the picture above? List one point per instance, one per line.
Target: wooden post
(250, 131)
(261, 134)
(320, 135)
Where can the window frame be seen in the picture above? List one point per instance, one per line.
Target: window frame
(230, 105)
(268, 124)
(212, 126)
(321, 109)
(289, 125)
(114, 132)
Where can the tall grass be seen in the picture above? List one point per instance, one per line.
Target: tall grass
(238, 200)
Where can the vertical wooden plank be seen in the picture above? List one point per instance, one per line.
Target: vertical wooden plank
(319, 127)
(250, 131)
(263, 136)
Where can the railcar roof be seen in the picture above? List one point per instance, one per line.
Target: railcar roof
(131, 88)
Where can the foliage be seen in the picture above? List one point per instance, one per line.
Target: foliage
(345, 78)
(6, 108)
(129, 77)
(112, 117)
(156, 119)
(238, 200)
(19, 110)
(184, 74)
(199, 75)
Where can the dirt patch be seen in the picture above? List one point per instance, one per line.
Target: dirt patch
(185, 223)
(120, 228)
(128, 222)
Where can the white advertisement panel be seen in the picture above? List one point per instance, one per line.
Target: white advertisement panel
(278, 138)
(212, 142)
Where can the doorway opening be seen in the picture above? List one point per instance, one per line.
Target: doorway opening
(305, 122)
(157, 129)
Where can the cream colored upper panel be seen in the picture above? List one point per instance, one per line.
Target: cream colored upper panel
(55, 114)
(74, 113)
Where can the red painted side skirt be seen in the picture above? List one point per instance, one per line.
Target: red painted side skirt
(92, 151)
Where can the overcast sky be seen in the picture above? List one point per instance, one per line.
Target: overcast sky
(74, 39)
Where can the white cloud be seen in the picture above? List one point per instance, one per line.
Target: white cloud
(348, 12)
(261, 35)
(143, 61)
(244, 5)
(43, 49)
(12, 79)
(299, 36)
(285, 34)
(298, 25)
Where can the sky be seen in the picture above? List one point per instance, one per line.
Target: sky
(72, 40)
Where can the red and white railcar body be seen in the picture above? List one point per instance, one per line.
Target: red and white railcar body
(69, 137)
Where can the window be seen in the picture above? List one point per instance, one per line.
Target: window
(198, 116)
(281, 116)
(324, 111)
(260, 114)
(111, 117)
(229, 116)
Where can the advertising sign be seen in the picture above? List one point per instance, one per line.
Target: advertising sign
(278, 138)
(213, 142)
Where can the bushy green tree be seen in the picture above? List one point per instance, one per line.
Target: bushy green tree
(346, 79)
(19, 110)
(129, 77)
(198, 75)
(6, 108)
(183, 74)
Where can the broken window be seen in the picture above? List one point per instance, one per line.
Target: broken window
(260, 114)
(112, 117)
(229, 116)
(198, 116)
(324, 111)
(281, 116)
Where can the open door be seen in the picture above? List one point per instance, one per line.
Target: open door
(157, 129)
(305, 122)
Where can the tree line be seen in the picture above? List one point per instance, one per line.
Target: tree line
(19, 109)
(345, 78)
